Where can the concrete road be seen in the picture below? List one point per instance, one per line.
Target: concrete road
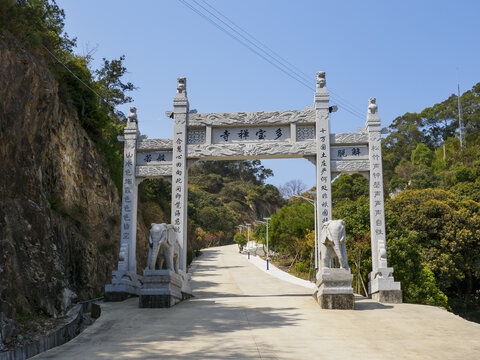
(240, 312)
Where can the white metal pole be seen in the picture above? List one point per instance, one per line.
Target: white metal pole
(248, 240)
(267, 244)
(267, 240)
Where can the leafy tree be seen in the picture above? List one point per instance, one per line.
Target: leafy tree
(405, 255)
(260, 233)
(246, 171)
(110, 84)
(440, 120)
(449, 236)
(405, 135)
(290, 225)
(422, 156)
(471, 112)
(292, 187)
(240, 239)
(36, 23)
(349, 187)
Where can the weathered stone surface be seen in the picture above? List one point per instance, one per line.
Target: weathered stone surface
(161, 288)
(388, 296)
(250, 118)
(334, 289)
(247, 150)
(59, 208)
(336, 301)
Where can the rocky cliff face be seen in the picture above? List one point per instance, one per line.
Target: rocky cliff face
(59, 209)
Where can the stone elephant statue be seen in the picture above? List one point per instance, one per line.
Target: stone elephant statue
(164, 247)
(333, 244)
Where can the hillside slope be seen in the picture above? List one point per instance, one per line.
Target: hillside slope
(59, 209)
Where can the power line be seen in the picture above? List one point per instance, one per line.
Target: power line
(244, 44)
(260, 51)
(76, 77)
(305, 79)
(261, 45)
(297, 71)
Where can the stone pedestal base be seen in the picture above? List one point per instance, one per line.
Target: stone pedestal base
(336, 301)
(383, 288)
(124, 285)
(388, 296)
(161, 289)
(335, 289)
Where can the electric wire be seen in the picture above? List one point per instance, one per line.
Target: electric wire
(76, 77)
(296, 70)
(301, 81)
(260, 51)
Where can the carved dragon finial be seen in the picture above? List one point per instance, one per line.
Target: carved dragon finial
(182, 85)
(372, 106)
(321, 82)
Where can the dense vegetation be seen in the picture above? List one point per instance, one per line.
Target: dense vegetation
(90, 94)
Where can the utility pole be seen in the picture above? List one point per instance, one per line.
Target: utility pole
(460, 122)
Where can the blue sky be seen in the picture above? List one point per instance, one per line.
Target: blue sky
(404, 53)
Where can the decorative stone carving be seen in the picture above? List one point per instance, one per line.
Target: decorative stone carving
(382, 285)
(164, 247)
(305, 133)
(154, 171)
(252, 118)
(181, 85)
(123, 257)
(372, 106)
(348, 139)
(333, 242)
(350, 166)
(196, 136)
(155, 144)
(132, 117)
(233, 151)
(334, 284)
(321, 82)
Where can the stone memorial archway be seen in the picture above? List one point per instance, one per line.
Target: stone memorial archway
(249, 135)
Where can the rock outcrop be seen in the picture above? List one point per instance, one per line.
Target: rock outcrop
(59, 209)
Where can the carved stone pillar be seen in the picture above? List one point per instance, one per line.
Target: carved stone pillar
(322, 118)
(125, 280)
(382, 286)
(180, 175)
(334, 286)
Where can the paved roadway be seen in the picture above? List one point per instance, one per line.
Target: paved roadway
(240, 312)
